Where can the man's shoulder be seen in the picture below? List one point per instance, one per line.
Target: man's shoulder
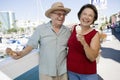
(42, 25)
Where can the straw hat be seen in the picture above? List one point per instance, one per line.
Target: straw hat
(57, 6)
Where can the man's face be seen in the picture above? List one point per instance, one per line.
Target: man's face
(58, 17)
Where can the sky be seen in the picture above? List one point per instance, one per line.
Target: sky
(35, 9)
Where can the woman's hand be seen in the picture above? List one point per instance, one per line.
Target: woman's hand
(81, 38)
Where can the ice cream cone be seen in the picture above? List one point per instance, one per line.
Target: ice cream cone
(78, 29)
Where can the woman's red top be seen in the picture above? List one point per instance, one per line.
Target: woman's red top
(76, 60)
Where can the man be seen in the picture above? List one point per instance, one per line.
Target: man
(52, 40)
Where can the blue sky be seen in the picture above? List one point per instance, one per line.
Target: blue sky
(35, 9)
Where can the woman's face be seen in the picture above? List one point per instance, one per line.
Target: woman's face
(87, 17)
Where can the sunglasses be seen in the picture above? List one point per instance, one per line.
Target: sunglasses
(59, 14)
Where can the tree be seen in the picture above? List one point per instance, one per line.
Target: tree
(12, 30)
(0, 26)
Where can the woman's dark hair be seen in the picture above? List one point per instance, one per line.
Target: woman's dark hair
(91, 6)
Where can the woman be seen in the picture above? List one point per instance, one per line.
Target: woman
(84, 46)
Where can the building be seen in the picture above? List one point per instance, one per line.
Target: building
(7, 20)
